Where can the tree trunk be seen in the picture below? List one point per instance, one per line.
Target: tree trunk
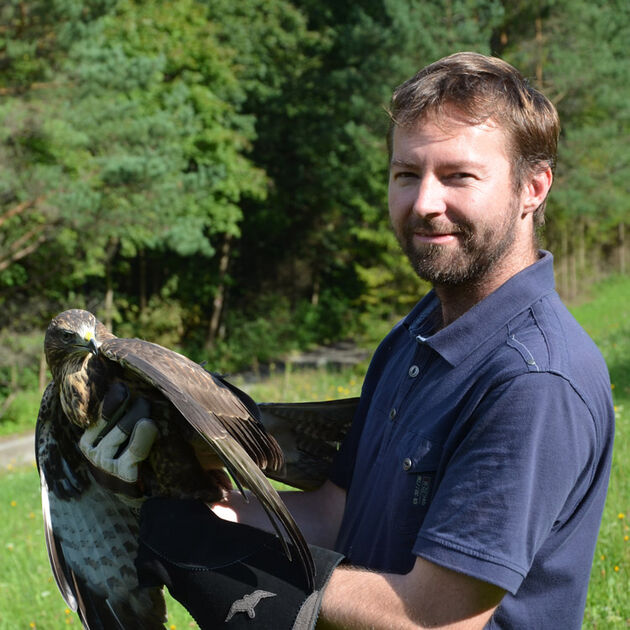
(315, 293)
(109, 302)
(539, 49)
(219, 296)
(110, 253)
(581, 256)
(563, 267)
(621, 234)
(142, 280)
(573, 276)
(596, 261)
(43, 376)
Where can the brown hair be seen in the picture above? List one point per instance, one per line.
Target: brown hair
(478, 87)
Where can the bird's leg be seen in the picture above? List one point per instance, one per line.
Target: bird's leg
(115, 404)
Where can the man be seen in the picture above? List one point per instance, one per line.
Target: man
(470, 489)
(472, 483)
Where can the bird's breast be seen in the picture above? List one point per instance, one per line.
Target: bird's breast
(81, 391)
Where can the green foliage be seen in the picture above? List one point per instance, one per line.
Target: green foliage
(553, 43)
(187, 169)
(260, 336)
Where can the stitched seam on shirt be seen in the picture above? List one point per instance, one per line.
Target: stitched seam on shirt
(474, 553)
(543, 327)
(599, 445)
(523, 350)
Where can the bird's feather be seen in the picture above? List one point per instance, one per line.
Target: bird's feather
(309, 435)
(220, 417)
(91, 535)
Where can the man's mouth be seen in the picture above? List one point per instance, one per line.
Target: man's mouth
(436, 238)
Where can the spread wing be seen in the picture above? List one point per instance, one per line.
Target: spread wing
(91, 536)
(309, 435)
(224, 417)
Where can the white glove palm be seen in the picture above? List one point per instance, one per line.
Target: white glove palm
(110, 455)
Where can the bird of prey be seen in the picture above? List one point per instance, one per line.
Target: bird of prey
(91, 530)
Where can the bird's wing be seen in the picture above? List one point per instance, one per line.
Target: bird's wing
(309, 435)
(91, 536)
(224, 417)
(226, 409)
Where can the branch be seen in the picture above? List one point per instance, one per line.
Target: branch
(6, 403)
(13, 247)
(21, 89)
(21, 207)
(25, 251)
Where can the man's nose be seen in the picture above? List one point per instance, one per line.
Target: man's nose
(429, 198)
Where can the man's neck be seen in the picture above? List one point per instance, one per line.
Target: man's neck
(456, 300)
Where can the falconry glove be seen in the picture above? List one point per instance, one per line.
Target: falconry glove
(120, 440)
(227, 575)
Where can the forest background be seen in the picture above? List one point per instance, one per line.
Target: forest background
(211, 175)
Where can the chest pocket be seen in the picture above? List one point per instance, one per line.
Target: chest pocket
(417, 462)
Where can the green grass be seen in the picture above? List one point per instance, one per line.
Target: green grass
(607, 320)
(21, 413)
(28, 594)
(296, 385)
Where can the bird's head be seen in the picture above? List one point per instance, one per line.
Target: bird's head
(73, 332)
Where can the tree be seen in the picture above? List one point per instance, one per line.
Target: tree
(552, 42)
(321, 141)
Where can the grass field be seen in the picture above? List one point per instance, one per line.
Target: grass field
(29, 597)
(607, 320)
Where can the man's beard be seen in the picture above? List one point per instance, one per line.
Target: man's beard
(476, 254)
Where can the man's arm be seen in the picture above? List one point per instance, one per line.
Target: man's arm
(429, 596)
(318, 513)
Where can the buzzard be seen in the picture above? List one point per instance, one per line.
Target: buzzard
(204, 423)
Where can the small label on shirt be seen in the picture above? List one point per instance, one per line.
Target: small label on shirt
(422, 489)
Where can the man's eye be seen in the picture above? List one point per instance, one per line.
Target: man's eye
(405, 175)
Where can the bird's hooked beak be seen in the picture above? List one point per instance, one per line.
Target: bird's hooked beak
(90, 343)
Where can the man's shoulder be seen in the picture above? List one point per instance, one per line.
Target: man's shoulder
(547, 339)
(566, 342)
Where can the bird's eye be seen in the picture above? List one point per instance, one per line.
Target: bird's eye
(66, 335)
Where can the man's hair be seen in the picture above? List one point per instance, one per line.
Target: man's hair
(474, 88)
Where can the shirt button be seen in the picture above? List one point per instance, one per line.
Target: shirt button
(414, 370)
(406, 463)
(392, 413)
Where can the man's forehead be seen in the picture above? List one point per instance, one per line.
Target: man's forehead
(437, 130)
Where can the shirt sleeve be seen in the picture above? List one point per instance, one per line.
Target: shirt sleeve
(518, 468)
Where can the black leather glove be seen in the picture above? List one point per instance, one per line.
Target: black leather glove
(227, 575)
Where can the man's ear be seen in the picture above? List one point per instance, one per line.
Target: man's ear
(535, 189)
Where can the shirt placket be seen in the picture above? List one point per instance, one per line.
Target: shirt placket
(411, 374)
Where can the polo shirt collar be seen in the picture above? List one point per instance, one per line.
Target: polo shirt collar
(455, 342)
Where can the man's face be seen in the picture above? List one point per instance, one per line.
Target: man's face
(452, 201)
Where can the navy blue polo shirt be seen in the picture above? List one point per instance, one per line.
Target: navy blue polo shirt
(485, 448)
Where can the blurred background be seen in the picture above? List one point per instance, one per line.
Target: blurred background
(211, 175)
